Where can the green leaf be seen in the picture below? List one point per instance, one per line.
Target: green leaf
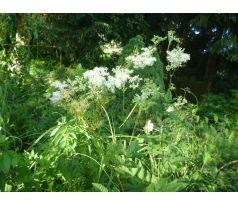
(2, 182)
(206, 158)
(215, 118)
(5, 163)
(141, 174)
(165, 186)
(8, 188)
(100, 187)
(54, 131)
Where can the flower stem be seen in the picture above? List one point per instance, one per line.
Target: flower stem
(123, 102)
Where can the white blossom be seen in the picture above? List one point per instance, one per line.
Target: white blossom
(170, 109)
(134, 81)
(97, 76)
(177, 105)
(122, 75)
(59, 85)
(56, 97)
(112, 48)
(66, 89)
(140, 61)
(110, 83)
(180, 102)
(149, 126)
(176, 58)
(145, 95)
(120, 78)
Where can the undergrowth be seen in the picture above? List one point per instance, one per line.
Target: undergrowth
(115, 129)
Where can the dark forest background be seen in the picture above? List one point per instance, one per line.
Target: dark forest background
(211, 39)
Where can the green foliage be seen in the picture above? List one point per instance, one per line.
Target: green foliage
(93, 139)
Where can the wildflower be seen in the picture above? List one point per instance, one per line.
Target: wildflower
(59, 85)
(180, 102)
(56, 97)
(140, 61)
(149, 93)
(112, 48)
(122, 75)
(134, 81)
(97, 76)
(176, 58)
(145, 95)
(110, 83)
(177, 105)
(120, 78)
(149, 126)
(170, 109)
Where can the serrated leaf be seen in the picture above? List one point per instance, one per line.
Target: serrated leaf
(100, 187)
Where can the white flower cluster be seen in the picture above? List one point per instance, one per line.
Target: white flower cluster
(176, 58)
(57, 95)
(120, 78)
(99, 77)
(140, 61)
(134, 81)
(177, 105)
(112, 48)
(145, 95)
(59, 85)
(66, 89)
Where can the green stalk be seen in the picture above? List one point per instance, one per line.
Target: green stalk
(123, 101)
(110, 125)
(128, 115)
(137, 118)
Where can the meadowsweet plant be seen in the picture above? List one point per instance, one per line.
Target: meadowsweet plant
(143, 59)
(65, 90)
(56, 97)
(117, 127)
(176, 58)
(172, 37)
(97, 76)
(180, 102)
(118, 81)
(112, 48)
(147, 96)
(126, 81)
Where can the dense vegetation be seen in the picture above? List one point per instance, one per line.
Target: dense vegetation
(118, 102)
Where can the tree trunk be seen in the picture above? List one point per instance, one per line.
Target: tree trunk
(211, 68)
(19, 29)
(20, 55)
